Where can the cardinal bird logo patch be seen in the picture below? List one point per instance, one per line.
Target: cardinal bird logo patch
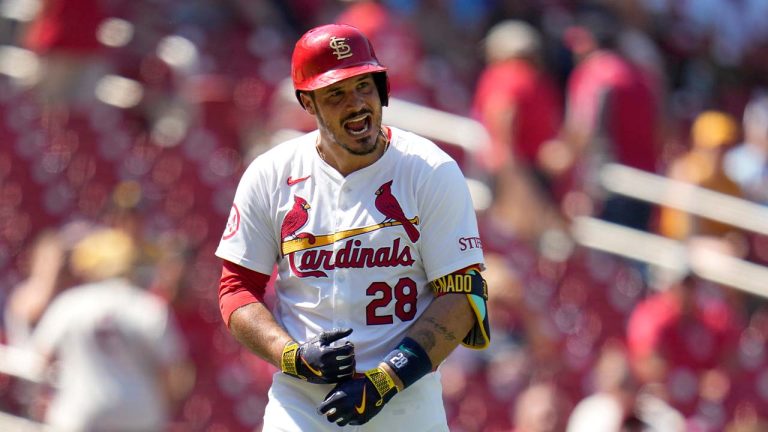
(296, 218)
(387, 204)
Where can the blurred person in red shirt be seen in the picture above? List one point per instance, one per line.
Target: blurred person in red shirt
(685, 338)
(66, 25)
(516, 99)
(612, 114)
(64, 35)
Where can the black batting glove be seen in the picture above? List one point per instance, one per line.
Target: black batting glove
(317, 361)
(356, 401)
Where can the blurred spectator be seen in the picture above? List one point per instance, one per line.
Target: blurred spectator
(515, 98)
(618, 404)
(612, 114)
(712, 134)
(747, 163)
(119, 352)
(64, 35)
(685, 338)
(610, 407)
(541, 408)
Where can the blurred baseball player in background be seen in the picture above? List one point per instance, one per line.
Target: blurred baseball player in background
(120, 355)
(378, 258)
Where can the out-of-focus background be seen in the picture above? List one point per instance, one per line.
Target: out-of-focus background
(617, 152)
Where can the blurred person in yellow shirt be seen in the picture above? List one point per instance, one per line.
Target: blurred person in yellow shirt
(712, 134)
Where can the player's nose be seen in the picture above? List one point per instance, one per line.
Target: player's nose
(356, 99)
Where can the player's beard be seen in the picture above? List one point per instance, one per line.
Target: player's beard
(365, 145)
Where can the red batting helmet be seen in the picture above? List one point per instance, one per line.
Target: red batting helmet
(334, 52)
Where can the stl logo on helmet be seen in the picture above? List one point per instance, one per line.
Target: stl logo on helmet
(340, 48)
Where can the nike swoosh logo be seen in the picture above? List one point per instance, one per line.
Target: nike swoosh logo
(291, 181)
(361, 409)
(311, 369)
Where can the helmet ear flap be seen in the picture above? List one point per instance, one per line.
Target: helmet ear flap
(382, 85)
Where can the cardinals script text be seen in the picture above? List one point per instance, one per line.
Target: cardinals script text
(352, 255)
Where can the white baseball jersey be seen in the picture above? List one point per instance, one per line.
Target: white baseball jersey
(355, 251)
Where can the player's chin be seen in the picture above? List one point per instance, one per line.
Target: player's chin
(363, 147)
(361, 144)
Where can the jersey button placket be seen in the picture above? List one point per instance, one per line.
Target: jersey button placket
(339, 276)
(341, 304)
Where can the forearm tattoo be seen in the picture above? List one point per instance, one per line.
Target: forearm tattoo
(426, 339)
(439, 328)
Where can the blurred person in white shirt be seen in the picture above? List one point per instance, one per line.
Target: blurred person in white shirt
(619, 403)
(120, 359)
(747, 163)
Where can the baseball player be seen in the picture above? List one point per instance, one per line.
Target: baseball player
(117, 346)
(378, 258)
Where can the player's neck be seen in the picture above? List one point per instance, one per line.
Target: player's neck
(346, 162)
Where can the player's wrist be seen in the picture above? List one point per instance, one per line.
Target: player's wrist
(317, 360)
(409, 362)
(383, 381)
(391, 372)
(288, 359)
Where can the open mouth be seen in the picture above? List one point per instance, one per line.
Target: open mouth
(359, 125)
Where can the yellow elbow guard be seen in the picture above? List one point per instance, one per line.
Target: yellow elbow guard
(471, 284)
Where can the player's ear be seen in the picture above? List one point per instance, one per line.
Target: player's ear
(308, 102)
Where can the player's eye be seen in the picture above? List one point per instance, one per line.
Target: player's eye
(335, 96)
(364, 86)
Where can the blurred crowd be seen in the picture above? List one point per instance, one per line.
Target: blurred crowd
(125, 126)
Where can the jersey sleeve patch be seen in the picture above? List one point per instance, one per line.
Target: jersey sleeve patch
(233, 223)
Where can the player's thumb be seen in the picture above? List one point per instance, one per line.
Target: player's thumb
(329, 337)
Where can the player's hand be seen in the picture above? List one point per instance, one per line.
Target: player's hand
(317, 361)
(358, 400)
